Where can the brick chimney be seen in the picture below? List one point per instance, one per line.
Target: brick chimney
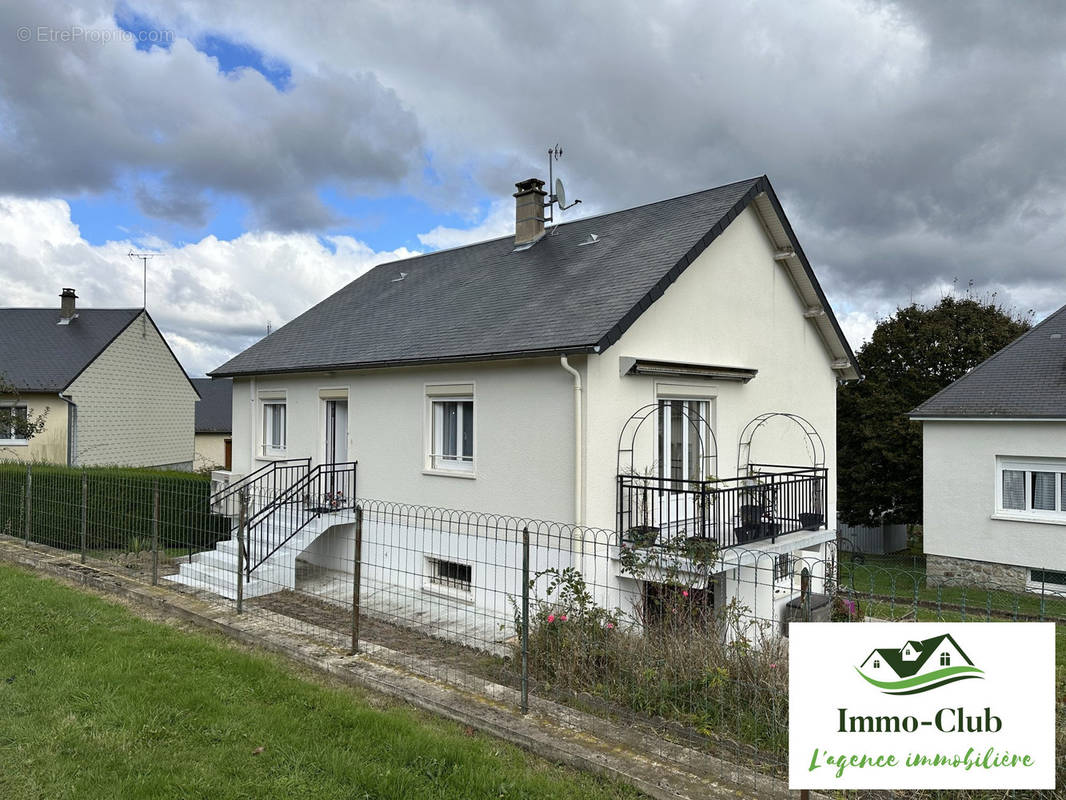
(66, 306)
(529, 211)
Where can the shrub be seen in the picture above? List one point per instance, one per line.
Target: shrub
(119, 507)
(846, 609)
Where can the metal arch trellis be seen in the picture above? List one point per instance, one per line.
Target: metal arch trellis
(708, 460)
(748, 434)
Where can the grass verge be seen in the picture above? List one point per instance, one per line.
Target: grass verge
(98, 703)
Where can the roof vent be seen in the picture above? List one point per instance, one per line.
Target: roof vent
(399, 278)
(1056, 336)
(593, 238)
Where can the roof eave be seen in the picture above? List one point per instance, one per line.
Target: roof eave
(413, 362)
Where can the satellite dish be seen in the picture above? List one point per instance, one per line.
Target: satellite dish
(560, 193)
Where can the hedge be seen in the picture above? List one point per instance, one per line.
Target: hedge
(119, 507)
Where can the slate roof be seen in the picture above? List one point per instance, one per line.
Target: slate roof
(214, 411)
(1027, 378)
(487, 301)
(38, 355)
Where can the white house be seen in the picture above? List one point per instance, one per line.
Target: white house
(107, 381)
(628, 372)
(994, 467)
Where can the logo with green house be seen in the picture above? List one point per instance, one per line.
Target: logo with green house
(918, 666)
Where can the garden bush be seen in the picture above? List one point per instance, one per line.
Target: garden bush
(119, 507)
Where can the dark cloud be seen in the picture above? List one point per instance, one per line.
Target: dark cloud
(76, 116)
(912, 142)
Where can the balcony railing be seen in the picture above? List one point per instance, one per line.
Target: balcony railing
(773, 500)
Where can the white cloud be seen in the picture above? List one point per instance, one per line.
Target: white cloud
(211, 298)
(499, 221)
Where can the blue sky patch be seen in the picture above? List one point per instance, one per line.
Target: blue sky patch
(233, 56)
(147, 32)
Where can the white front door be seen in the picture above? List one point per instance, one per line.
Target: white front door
(336, 431)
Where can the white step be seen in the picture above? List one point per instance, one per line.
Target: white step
(216, 570)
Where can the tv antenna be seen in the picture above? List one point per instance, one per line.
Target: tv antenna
(145, 258)
(558, 194)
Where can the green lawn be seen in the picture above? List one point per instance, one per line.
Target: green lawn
(98, 703)
(888, 577)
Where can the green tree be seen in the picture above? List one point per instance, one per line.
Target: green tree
(911, 356)
(15, 421)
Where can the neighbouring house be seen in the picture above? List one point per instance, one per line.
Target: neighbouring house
(665, 371)
(214, 424)
(994, 467)
(112, 389)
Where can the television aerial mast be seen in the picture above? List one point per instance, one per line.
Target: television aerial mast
(558, 194)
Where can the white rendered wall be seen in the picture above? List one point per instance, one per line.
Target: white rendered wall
(523, 433)
(734, 306)
(959, 485)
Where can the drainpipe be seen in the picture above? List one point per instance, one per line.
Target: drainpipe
(578, 516)
(72, 429)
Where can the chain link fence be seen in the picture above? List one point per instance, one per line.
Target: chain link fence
(682, 641)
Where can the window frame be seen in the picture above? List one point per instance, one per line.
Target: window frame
(436, 462)
(433, 583)
(14, 441)
(664, 436)
(269, 449)
(1030, 466)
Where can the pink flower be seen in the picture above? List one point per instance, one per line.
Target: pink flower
(684, 592)
(773, 666)
(610, 625)
(563, 617)
(551, 618)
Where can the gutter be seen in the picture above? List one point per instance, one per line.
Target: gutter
(72, 429)
(578, 516)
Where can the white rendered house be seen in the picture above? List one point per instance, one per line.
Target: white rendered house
(637, 371)
(994, 467)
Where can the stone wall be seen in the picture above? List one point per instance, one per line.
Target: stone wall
(949, 571)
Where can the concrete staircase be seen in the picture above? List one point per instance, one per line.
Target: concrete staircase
(216, 570)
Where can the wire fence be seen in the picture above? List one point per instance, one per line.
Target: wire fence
(682, 641)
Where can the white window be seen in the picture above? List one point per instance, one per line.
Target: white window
(274, 424)
(450, 574)
(451, 441)
(9, 426)
(1031, 488)
(684, 438)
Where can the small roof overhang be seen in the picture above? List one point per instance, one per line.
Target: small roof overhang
(676, 369)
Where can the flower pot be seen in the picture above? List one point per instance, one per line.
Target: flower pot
(642, 535)
(810, 522)
(750, 514)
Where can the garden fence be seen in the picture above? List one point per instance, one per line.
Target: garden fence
(682, 641)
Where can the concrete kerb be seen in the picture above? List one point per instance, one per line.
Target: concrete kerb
(659, 768)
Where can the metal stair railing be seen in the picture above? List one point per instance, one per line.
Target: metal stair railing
(325, 489)
(262, 485)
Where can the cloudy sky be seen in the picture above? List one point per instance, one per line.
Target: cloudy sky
(271, 152)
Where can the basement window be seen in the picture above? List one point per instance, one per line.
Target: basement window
(451, 576)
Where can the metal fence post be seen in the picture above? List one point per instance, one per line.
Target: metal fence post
(155, 532)
(242, 521)
(84, 513)
(525, 620)
(29, 502)
(357, 578)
